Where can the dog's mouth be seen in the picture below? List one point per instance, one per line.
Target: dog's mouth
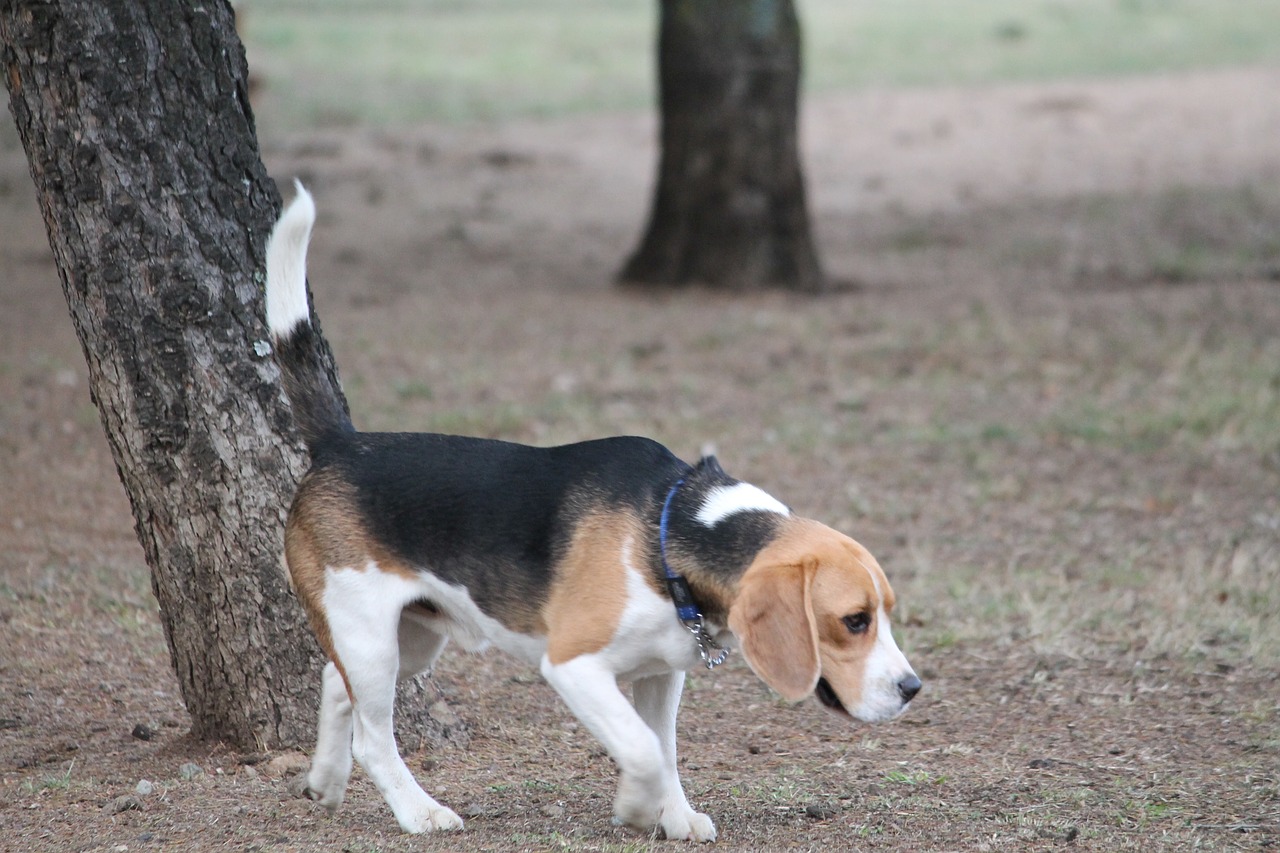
(827, 696)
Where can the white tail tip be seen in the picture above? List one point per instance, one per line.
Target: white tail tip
(287, 264)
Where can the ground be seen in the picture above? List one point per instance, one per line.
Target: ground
(1046, 393)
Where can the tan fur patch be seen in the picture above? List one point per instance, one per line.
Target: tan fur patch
(324, 531)
(589, 591)
(305, 537)
(773, 620)
(790, 604)
(804, 538)
(839, 590)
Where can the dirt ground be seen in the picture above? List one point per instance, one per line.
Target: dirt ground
(1045, 396)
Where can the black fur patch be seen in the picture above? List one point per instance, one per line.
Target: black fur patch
(727, 549)
(319, 410)
(493, 516)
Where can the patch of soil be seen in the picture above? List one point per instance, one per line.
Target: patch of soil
(1086, 581)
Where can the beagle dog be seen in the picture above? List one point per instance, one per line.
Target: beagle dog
(597, 562)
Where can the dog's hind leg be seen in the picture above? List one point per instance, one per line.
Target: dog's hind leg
(657, 701)
(364, 610)
(326, 781)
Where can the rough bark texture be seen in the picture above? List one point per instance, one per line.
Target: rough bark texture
(729, 207)
(141, 143)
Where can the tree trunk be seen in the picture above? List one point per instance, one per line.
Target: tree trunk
(729, 208)
(137, 128)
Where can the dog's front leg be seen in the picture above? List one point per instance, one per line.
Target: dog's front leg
(591, 691)
(658, 701)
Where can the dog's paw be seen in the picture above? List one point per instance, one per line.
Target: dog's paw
(684, 824)
(433, 818)
(329, 796)
(636, 803)
(298, 787)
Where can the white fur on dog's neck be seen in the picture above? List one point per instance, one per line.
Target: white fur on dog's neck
(725, 501)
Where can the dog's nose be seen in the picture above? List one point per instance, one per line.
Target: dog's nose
(909, 687)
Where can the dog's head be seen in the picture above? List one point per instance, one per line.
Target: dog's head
(812, 617)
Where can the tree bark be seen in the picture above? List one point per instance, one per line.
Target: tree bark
(729, 207)
(137, 127)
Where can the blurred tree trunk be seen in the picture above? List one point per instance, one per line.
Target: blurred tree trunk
(729, 207)
(141, 143)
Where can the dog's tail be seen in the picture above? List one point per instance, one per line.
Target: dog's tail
(319, 409)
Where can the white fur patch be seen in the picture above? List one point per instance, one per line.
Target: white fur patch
(650, 639)
(724, 501)
(886, 667)
(287, 265)
(351, 598)
(467, 625)
(363, 609)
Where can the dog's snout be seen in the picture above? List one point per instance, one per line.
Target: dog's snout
(909, 687)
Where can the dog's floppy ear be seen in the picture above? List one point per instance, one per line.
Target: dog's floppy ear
(772, 617)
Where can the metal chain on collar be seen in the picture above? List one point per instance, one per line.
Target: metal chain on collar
(686, 609)
(712, 655)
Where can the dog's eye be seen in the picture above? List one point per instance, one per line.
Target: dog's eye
(857, 623)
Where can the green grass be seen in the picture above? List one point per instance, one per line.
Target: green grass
(49, 781)
(927, 42)
(387, 62)
(1214, 602)
(914, 777)
(1226, 396)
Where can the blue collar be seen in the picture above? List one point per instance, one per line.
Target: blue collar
(686, 608)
